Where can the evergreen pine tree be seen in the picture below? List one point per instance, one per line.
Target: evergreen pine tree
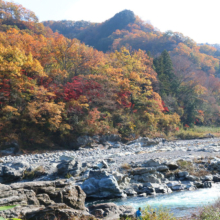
(167, 79)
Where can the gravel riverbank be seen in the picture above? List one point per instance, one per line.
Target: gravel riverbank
(107, 168)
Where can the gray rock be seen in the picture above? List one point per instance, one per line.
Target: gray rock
(192, 178)
(105, 210)
(216, 178)
(172, 165)
(151, 163)
(130, 192)
(127, 212)
(162, 168)
(142, 195)
(66, 158)
(163, 188)
(178, 187)
(145, 142)
(44, 199)
(173, 183)
(199, 184)
(11, 174)
(207, 184)
(140, 171)
(72, 167)
(20, 211)
(110, 138)
(85, 141)
(207, 178)
(55, 211)
(9, 151)
(101, 184)
(215, 164)
(117, 145)
(74, 197)
(103, 165)
(183, 174)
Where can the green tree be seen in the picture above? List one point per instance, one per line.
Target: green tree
(167, 79)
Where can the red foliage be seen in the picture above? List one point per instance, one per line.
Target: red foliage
(124, 99)
(81, 86)
(4, 90)
(165, 109)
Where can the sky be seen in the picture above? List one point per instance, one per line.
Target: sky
(197, 19)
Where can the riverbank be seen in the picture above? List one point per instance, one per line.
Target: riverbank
(107, 168)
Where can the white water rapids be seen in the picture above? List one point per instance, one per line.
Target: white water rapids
(179, 203)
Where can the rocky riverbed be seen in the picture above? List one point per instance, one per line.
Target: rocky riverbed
(104, 167)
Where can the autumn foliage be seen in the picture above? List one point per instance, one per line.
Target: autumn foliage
(54, 89)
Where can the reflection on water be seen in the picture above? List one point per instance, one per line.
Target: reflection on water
(179, 203)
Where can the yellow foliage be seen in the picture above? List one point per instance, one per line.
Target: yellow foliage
(46, 112)
(10, 109)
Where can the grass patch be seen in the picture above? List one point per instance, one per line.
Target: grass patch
(197, 132)
(185, 165)
(188, 134)
(68, 175)
(39, 171)
(203, 129)
(3, 208)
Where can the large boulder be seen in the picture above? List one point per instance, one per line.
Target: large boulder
(74, 197)
(55, 211)
(85, 141)
(172, 165)
(12, 174)
(20, 211)
(110, 138)
(215, 164)
(71, 167)
(33, 196)
(141, 171)
(111, 211)
(154, 177)
(216, 178)
(145, 142)
(152, 163)
(101, 184)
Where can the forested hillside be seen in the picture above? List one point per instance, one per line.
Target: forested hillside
(54, 89)
(188, 83)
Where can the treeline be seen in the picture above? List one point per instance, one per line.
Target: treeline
(54, 89)
(190, 85)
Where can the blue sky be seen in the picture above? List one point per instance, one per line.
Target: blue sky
(198, 19)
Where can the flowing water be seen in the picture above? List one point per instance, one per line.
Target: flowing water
(179, 203)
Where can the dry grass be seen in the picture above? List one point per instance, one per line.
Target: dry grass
(211, 212)
(200, 173)
(126, 166)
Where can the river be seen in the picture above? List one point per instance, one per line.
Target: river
(179, 203)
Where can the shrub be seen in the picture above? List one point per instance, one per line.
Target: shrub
(211, 212)
(156, 214)
(37, 172)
